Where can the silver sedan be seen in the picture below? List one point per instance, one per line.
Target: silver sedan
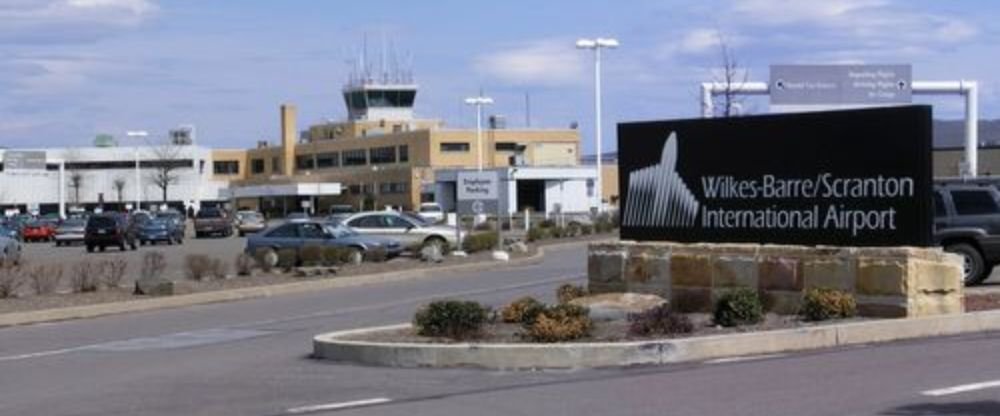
(409, 230)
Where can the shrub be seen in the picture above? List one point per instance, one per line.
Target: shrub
(586, 229)
(605, 223)
(44, 279)
(558, 232)
(197, 266)
(452, 319)
(739, 307)
(311, 255)
(287, 258)
(480, 242)
(560, 323)
(244, 264)
(377, 255)
(522, 311)
(486, 226)
(11, 281)
(153, 265)
(659, 321)
(218, 268)
(260, 258)
(114, 272)
(537, 234)
(86, 276)
(568, 292)
(334, 256)
(822, 304)
(546, 223)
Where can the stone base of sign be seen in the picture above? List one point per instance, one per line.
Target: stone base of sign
(886, 281)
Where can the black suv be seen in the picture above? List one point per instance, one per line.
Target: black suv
(109, 230)
(967, 223)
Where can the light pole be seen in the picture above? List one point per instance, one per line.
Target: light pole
(479, 102)
(138, 135)
(597, 45)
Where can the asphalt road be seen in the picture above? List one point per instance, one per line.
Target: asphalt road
(251, 358)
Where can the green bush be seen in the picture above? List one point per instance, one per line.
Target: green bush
(546, 223)
(537, 234)
(567, 292)
(559, 232)
(605, 223)
(560, 323)
(453, 319)
(311, 255)
(522, 311)
(739, 307)
(659, 321)
(287, 258)
(823, 303)
(480, 242)
(335, 256)
(586, 229)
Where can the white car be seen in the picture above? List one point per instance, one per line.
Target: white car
(407, 229)
(431, 211)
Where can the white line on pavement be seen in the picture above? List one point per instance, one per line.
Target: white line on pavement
(965, 388)
(337, 406)
(37, 354)
(745, 358)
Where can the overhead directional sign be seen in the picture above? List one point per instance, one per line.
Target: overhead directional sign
(477, 192)
(840, 85)
(15, 160)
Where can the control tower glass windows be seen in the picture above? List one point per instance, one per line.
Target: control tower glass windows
(399, 98)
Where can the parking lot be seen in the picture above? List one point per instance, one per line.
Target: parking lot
(224, 248)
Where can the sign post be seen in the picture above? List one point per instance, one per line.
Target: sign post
(477, 193)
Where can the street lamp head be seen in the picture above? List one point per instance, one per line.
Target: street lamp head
(586, 44)
(136, 133)
(478, 100)
(610, 43)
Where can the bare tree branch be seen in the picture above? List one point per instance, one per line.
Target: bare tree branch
(733, 78)
(165, 166)
(119, 185)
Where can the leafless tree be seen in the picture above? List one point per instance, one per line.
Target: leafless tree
(165, 166)
(75, 178)
(733, 77)
(119, 185)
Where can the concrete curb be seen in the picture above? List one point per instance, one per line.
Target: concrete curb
(140, 305)
(333, 346)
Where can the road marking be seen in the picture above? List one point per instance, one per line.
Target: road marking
(337, 406)
(744, 358)
(964, 388)
(37, 354)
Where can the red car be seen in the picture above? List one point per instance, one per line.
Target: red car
(39, 231)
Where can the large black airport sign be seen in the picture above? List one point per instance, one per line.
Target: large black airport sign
(856, 178)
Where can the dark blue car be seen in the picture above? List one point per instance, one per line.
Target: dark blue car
(298, 234)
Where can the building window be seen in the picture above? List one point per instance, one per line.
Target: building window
(257, 166)
(327, 160)
(354, 189)
(393, 188)
(305, 162)
(506, 147)
(226, 167)
(454, 147)
(355, 157)
(380, 155)
(276, 165)
(404, 153)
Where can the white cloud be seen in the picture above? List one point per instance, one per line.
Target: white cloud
(549, 62)
(23, 16)
(779, 12)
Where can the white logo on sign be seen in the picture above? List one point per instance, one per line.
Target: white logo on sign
(477, 207)
(657, 196)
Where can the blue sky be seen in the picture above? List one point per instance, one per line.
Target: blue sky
(70, 69)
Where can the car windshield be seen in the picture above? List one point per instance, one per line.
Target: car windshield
(157, 222)
(340, 230)
(209, 213)
(102, 222)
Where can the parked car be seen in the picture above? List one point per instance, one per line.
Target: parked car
(967, 223)
(10, 251)
(248, 222)
(115, 230)
(10, 230)
(410, 231)
(71, 231)
(212, 221)
(161, 229)
(38, 230)
(341, 209)
(431, 211)
(296, 235)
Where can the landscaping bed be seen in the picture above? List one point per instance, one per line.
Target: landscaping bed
(982, 301)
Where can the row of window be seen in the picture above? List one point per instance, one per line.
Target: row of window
(464, 147)
(120, 164)
(384, 188)
(356, 157)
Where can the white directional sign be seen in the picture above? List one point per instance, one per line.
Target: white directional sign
(19, 160)
(477, 192)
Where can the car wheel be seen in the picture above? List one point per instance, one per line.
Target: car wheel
(90, 248)
(133, 246)
(974, 269)
(355, 256)
(142, 242)
(170, 241)
(198, 234)
(102, 248)
(436, 241)
(58, 243)
(121, 247)
(242, 234)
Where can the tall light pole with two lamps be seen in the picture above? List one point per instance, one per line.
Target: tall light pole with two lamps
(596, 45)
(479, 102)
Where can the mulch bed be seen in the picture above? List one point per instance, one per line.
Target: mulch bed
(982, 302)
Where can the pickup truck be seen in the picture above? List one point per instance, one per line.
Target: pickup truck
(967, 223)
(212, 221)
